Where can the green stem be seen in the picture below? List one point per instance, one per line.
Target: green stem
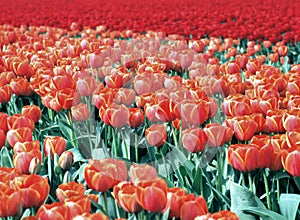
(250, 181)
(104, 201)
(278, 187)
(220, 171)
(201, 182)
(267, 189)
(136, 146)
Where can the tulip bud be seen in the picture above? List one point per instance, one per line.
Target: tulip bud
(66, 160)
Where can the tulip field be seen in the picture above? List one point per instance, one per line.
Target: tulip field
(146, 110)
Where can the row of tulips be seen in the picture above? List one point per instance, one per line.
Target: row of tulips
(177, 99)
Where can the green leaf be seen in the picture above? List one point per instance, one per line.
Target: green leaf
(66, 128)
(264, 213)
(78, 155)
(297, 182)
(289, 204)
(5, 158)
(166, 215)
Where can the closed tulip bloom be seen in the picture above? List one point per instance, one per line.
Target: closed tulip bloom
(22, 160)
(125, 195)
(9, 200)
(291, 122)
(3, 122)
(5, 94)
(19, 121)
(156, 135)
(215, 134)
(66, 160)
(142, 172)
(102, 175)
(293, 138)
(77, 205)
(33, 112)
(2, 138)
(80, 112)
(55, 210)
(86, 86)
(274, 120)
(160, 112)
(243, 157)
(244, 128)
(136, 117)
(283, 50)
(20, 86)
(55, 144)
(291, 162)
(152, 196)
(115, 115)
(194, 139)
(193, 207)
(34, 190)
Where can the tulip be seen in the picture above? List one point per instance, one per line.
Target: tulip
(291, 122)
(2, 138)
(94, 216)
(274, 120)
(22, 160)
(20, 86)
(156, 135)
(194, 139)
(244, 128)
(160, 112)
(283, 50)
(5, 94)
(34, 190)
(193, 207)
(115, 115)
(9, 200)
(125, 195)
(80, 112)
(23, 69)
(18, 135)
(293, 138)
(61, 82)
(124, 96)
(32, 112)
(102, 175)
(86, 86)
(66, 160)
(175, 199)
(136, 117)
(152, 196)
(55, 144)
(142, 172)
(215, 134)
(291, 162)
(77, 205)
(3, 122)
(261, 124)
(19, 121)
(243, 157)
(56, 210)
(68, 190)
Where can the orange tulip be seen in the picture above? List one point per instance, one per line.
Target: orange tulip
(77, 205)
(55, 210)
(34, 190)
(20, 86)
(152, 196)
(274, 120)
(160, 112)
(194, 139)
(94, 216)
(125, 96)
(62, 82)
(2, 138)
(283, 50)
(156, 135)
(193, 207)
(142, 172)
(55, 144)
(115, 115)
(291, 122)
(125, 195)
(3, 122)
(9, 200)
(23, 161)
(102, 175)
(33, 112)
(68, 190)
(86, 86)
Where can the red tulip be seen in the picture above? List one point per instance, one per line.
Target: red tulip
(243, 157)
(9, 200)
(80, 112)
(86, 86)
(19, 135)
(55, 144)
(2, 138)
(22, 69)
(156, 135)
(175, 199)
(23, 160)
(20, 86)
(283, 50)
(291, 122)
(244, 128)
(115, 115)
(274, 120)
(152, 196)
(101, 175)
(3, 122)
(34, 190)
(125, 195)
(291, 162)
(19, 121)
(5, 94)
(215, 134)
(160, 112)
(193, 207)
(194, 139)
(142, 172)
(136, 117)
(33, 112)
(62, 82)
(56, 210)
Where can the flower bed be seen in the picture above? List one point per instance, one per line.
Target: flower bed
(150, 120)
